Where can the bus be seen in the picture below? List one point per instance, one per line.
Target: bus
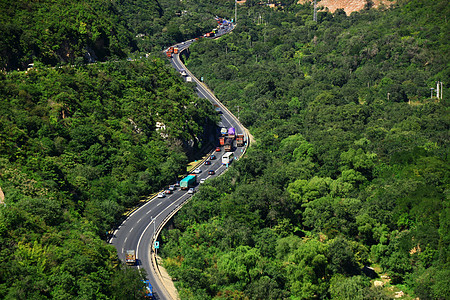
(227, 158)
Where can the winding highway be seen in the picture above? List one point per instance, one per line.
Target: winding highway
(141, 228)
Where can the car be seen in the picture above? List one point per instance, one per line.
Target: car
(161, 195)
(191, 191)
(208, 162)
(168, 192)
(177, 184)
(218, 149)
(212, 157)
(197, 171)
(172, 187)
(202, 180)
(211, 172)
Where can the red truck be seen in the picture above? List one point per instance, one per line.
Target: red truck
(240, 140)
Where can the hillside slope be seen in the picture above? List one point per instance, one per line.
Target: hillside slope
(59, 32)
(350, 168)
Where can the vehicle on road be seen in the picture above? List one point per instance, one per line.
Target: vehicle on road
(227, 158)
(172, 187)
(191, 191)
(197, 171)
(212, 157)
(202, 180)
(240, 140)
(228, 146)
(130, 257)
(211, 172)
(148, 289)
(218, 149)
(168, 191)
(208, 162)
(161, 195)
(188, 181)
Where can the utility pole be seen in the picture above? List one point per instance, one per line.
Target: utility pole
(315, 11)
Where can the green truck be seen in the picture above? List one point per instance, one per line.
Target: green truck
(188, 182)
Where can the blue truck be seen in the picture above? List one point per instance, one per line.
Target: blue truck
(148, 290)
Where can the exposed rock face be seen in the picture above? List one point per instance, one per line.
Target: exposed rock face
(349, 6)
(2, 197)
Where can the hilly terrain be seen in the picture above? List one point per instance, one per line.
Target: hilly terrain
(344, 194)
(83, 142)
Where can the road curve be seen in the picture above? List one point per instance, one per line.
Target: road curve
(141, 228)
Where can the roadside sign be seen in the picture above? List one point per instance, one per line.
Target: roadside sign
(156, 245)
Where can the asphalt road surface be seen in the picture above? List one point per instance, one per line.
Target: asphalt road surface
(137, 231)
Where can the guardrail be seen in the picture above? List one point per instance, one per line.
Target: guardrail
(155, 265)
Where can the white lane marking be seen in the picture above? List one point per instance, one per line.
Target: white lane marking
(150, 223)
(149, 212)
(207, 94)
(131, 229)
(125, 240)
(158, 204)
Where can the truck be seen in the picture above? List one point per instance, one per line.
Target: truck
(228, 145)
(223, 131)
(148, 289)
(231, 133)
(239, 140)
(188, 182)
(221, 140)
(169, 52)
(130, 257)
(175, 50)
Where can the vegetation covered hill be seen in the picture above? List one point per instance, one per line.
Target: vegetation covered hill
(73, 32)
(79, 144)
(77, 147)
(55, 32)
(351, 164)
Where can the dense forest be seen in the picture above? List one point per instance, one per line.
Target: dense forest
(78, 147)
(348, 180)
(349, 169)
(80, 144)
(58, 32)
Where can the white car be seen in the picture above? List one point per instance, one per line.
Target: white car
(191, 191)
(161, 195)
(202, 180)
(197, 171)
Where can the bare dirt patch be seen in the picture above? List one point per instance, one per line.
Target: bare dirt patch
(349, 6)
